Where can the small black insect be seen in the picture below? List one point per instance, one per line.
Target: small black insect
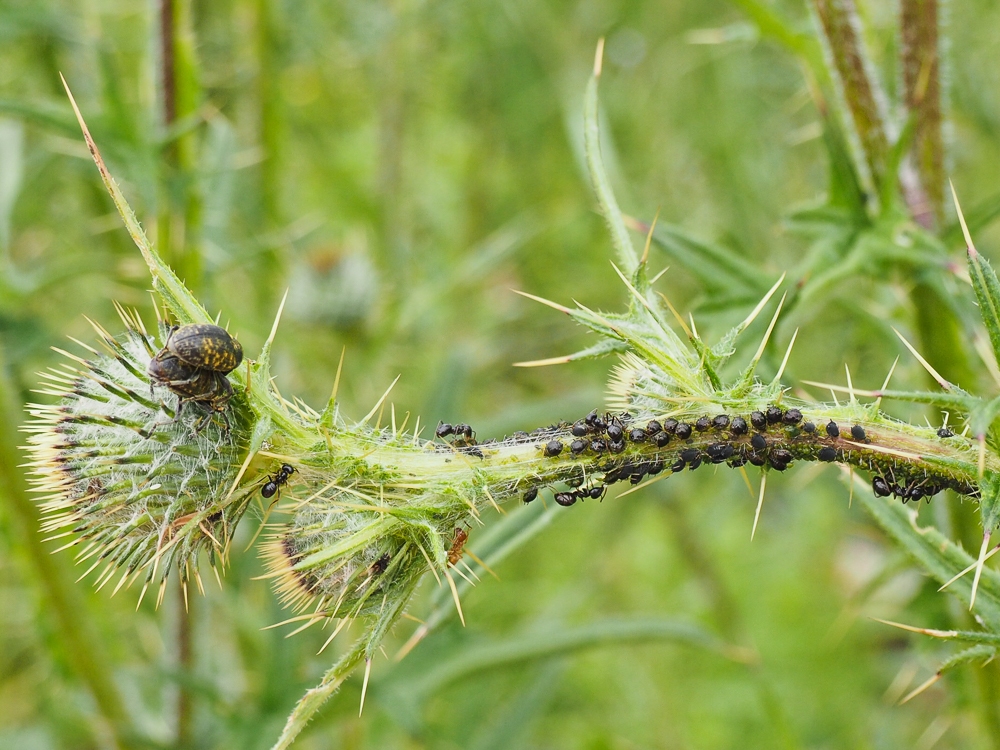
(616, 446)
(274, 481)
(677, 465)
(615, 432)
(721, 422)
(689, 454)
(378, 567)
(719, 452)
(702, 424)
(578, 446)
(597, 492)
(207, 389)
(809, 427)
(916, 493)
(580, 429)
(653, 427)
(758, 420)
(758, 443)
(827, 454)
(637, 435)
(683, 431)
(552, 448)
(529, 494)
(669, 425)
(858, 433)
(781, 456)
(792, 416)
(598, 446)
(662, 439)
(738, 426)
(520, 436)
(832, 430)
(464, 430)
(773, 414)
(565, 499)
(444, 429)
(694, 464)
(944, 432)
(655, 468)
(756, 459)
(880, 487)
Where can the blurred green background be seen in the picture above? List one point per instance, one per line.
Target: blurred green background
(400, 167)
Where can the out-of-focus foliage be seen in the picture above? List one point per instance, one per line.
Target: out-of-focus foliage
(401, 166)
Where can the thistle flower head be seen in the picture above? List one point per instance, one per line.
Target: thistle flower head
(140, 490)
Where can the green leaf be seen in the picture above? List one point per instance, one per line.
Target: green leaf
(987, 289)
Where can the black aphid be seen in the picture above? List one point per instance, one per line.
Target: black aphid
(809, 427)
(773, 414)
(653, 427)
(662, 439)
(598, 446)
(832, 430)
(530, 494)
(758, 420)
(721, 422)
(858, 433)
(758, 443)
(739, 426)
(656, 467)
(944, 432)
(756, 459)
(615, 432)
(694, 464)
(669, 425)
(616, 446)
(792, 416)
(677, 465)
(827, 454)
(580, 429)
(689, 454)
(637, 435)
(683, 431)
(702, 424)
(552, 448)
(578, 446)
(781, 456)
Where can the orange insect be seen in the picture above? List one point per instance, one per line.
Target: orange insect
(455, 553)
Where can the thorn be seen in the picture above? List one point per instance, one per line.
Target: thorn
(599, 58)
(760, 504)
(277, 318)
(961, 220)
(950, 581)
(746, 480)
(565, 359)
(760, 305)
(850, 384)
(364, 685)
(649, 239)
(979, 568)
(921, 688)
(677, 315)
(483, 565)
(921, 631)
(550, 303)
(926, 365)
(767, 334)
(885, 385)
(454, 595)
(336, 380)
(788, 352)
(379, 403)
(418, 635)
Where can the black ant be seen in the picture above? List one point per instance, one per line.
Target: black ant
(276, 480)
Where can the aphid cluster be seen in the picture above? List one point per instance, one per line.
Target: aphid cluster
(193, 364)
(274, 481)
(772, 438)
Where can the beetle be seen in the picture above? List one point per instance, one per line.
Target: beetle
(205, 346)
(208, 389)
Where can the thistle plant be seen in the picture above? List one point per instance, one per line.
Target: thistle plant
(374, 508)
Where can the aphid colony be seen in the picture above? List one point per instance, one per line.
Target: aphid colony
(193, 364)
(772, 438)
